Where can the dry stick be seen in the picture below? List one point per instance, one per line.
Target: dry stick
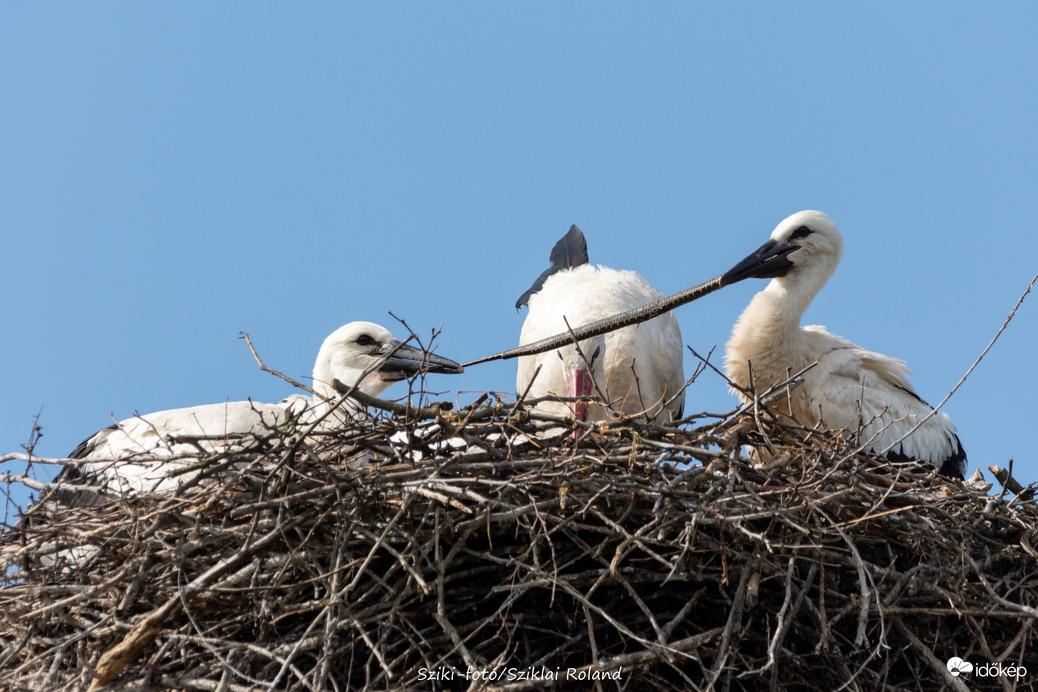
(441, 608)
(580, 352)
(938, 667)
(426, 412)
(119, 656)
(608, 324)
(756, 411)
(863, 585)
(1005, 477)
(264, 368)
(706, 362)
(734, 623)
(522, 397)
(1017, 641)
(763, 401)
(700, 369)
(287, 664)
(1005, 603)
(622, 661)
(680, 616)
(404, 507)
(57, 461)
(782, 623)
(83, 596)
(1012, 313)
(985, 649)
(7, 478)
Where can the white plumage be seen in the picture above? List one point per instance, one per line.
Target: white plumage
(638, 368)
(850, 388)
(357, 352)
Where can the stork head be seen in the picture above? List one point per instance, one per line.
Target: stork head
(357, 347)
(804, 248)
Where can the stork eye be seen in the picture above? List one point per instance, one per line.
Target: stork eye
(365, 340)
(801, 232)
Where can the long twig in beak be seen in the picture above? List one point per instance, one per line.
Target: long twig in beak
(609, 324)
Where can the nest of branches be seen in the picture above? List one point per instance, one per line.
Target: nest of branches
(485, 548)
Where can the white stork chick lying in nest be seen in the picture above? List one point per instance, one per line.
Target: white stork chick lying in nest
(359, 352)
(638, 369)
(850, 388)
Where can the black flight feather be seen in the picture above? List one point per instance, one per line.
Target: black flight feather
(569, 252)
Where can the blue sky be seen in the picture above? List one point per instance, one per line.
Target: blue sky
(173, 174)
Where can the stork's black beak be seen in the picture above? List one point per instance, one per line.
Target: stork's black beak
(768, 261)
(405, 360)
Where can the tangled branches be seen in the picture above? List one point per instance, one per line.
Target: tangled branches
(488, 550)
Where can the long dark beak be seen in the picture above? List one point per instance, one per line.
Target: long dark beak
(768, 261)
(407, 360)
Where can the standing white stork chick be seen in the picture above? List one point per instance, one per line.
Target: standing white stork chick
(850, 388)
(357, 352)
(638, 368)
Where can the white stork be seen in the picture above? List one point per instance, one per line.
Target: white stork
(357, 352)
(850, 388)
(638, 368)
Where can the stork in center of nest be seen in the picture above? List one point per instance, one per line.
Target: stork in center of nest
(637, 369)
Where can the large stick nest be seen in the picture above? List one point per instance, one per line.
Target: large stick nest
(517, 558)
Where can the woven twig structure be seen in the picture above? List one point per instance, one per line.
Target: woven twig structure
(487, 549)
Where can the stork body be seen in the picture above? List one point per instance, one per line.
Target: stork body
(849, 388)
(638, 369)
(137, 454)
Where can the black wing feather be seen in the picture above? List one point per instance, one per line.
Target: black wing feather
(569, 252)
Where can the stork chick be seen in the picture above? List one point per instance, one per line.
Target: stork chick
(359, 353)
(850, 388)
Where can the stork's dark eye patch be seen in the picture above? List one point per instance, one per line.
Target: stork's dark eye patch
(801, 232)
(365, 340)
